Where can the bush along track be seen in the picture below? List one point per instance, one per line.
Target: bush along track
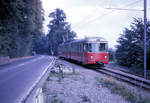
(121, 90)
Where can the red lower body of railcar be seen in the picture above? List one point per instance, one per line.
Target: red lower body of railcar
(87, 58)
(97, 58)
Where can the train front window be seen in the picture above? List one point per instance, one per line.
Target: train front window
(96, 47)
(93, 47)
(103, 47)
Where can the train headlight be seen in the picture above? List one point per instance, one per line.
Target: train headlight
(105, 57)
(91, 57)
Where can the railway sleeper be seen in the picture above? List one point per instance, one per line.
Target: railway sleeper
(126, 79)
(129, 75)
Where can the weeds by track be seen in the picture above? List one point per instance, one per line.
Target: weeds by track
(127, 77)
(121, 75)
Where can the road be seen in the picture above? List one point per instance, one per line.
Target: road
(16, 79)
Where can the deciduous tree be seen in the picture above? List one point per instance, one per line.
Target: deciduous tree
(130, 49)
(59, 30)
(20, 25)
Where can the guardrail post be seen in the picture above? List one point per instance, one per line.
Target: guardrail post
(39, 97)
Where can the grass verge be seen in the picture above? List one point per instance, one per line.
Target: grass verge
(121, 90)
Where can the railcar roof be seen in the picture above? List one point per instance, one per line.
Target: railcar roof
(88, 39)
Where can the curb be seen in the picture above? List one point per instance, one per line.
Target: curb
(30, 94)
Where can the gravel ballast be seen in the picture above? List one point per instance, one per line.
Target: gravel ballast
(79, 86)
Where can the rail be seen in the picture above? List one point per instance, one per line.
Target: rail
(130, 78)
(122, 75)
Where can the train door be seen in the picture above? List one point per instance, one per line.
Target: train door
(84, 57)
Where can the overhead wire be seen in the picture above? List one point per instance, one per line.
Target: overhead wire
(89, 13)
(101, 16)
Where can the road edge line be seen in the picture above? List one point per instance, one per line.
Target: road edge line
(25, 97)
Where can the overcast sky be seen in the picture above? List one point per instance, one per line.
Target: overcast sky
(90, 18)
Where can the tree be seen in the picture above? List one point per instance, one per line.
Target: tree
(59, 30)
(41, 45)
(20, 25)
(130, 49)
(111, 54)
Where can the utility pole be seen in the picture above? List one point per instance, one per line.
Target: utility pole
(145, 33)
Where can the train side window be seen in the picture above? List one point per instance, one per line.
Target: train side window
(102, 47)
(80, 48)
(89, 47)
(70, 47)
(73, 48)
(76, 47)
(85, 47)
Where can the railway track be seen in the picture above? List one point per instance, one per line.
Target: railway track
(121, 75)
(129, 72)
(127, 77)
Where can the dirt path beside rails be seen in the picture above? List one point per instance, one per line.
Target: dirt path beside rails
(79, 85)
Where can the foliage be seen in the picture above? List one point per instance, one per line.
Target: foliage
(41, 45)
(59, 31)
(111, 54)
(117, 88)
(130, 49)
(20, 25)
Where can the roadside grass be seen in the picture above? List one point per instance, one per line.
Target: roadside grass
(85, 99)
(61, 76)
(55, 99)
(57, 71)
(44, 87)
(58, 75)
(121, 90)
(135, 69)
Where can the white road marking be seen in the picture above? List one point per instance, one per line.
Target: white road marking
(36, 82)
(22, 64)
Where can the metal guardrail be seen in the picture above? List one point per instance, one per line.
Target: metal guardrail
(4, 60)
(35, 94)
(38, 97)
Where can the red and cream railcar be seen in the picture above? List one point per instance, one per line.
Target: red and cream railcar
(87, 51)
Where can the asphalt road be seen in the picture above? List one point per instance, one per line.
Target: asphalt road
(16, 79)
